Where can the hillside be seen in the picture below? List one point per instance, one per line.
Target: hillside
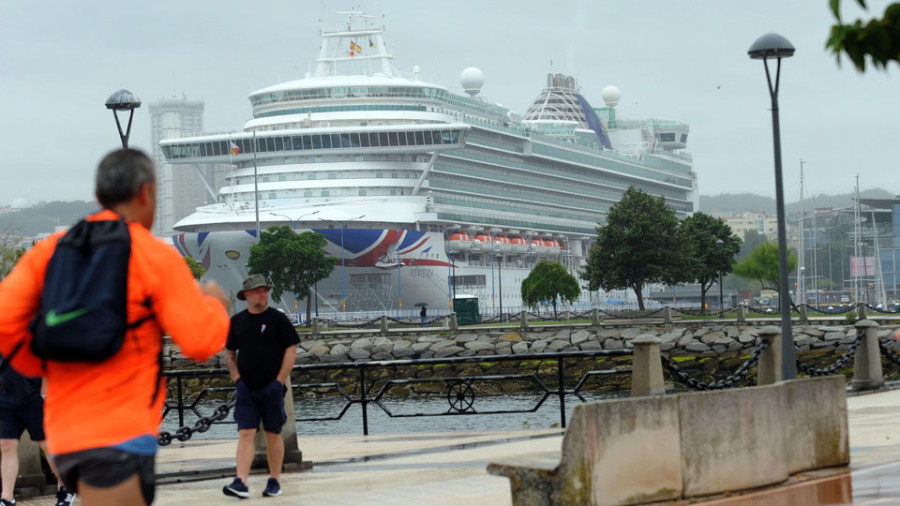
(742, 202)
(45, 217)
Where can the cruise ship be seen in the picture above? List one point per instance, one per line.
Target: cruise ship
(422, 192)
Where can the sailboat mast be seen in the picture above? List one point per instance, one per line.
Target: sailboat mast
(801, 268)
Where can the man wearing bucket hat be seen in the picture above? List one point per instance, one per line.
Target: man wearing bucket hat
(268, 346)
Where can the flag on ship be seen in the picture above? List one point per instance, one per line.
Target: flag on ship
(371, 44)
(355, 48)
(234, 148)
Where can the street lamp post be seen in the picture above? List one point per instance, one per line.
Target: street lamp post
(294, 221)
(451, 255)
(123, 100)
(768, 47)
(500, 282)
(720, 245)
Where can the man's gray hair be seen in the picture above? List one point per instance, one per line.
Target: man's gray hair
(121, 174)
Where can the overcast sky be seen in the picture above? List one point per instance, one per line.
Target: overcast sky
(684, 61)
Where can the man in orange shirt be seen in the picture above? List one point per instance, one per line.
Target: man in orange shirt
(102, 418)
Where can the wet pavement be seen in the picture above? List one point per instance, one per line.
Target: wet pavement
(450, 468)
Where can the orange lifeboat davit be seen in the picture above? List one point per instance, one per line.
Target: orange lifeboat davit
(482, 242)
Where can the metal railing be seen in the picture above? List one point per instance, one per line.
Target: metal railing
(374, 381)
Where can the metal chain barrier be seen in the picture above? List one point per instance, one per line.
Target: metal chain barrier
(365, 324)
(739, 374)
(880, 310)
(203, 424)
(888, 352)
(839, 363)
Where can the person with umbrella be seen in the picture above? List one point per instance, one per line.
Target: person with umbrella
(424, 314)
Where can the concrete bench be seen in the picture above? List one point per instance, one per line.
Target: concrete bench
(657, 448)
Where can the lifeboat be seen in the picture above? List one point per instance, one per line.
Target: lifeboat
(539, 246)
(482, 242)
(502, 243)
(518, 245)
(460, 241)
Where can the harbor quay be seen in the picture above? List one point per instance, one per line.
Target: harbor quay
(190, 463)
(450, 468)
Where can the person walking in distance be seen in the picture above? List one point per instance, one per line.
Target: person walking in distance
(102, 417)
(22, 408)
(423, 314)
(261, 348)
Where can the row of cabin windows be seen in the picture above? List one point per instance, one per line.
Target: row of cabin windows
(314, 141)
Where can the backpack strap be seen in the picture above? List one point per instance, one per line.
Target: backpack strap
(159, 370)
(7, 360)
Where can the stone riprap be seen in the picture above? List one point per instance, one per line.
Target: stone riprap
(676, 339)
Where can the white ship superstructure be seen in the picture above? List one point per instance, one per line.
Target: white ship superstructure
(421, 191)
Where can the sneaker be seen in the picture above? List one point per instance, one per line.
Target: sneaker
(64, 497)
(8, 502)
(272, 488)
(237, 489)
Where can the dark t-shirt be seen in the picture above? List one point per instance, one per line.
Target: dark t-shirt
(260, 341)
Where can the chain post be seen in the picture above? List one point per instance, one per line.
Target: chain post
(867, 374)
(769, 370)
(646, 369)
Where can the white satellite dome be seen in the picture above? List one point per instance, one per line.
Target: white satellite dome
(611, 96)
(19, 203)
(471, 79)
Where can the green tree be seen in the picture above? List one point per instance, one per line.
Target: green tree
(291, 262)
(638, 245)
(10, 251)
(549, 282)
(197, 270)
(878, 39)
(752, 239)
(762, 265)
(706, 258)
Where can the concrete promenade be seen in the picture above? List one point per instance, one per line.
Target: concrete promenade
(449, 468)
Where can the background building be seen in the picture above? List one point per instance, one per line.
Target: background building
(180, 187)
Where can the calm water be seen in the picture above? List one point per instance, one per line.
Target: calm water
(350, 423)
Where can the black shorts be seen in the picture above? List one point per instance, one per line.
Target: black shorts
(105, 468)
(14, 420)
(266, 404)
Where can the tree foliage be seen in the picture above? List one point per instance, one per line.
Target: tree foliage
(11, 251)
(878, 39)
(762, 265)
(638, 245)
(549, 282)
(197, 270)
(291, 262)
(705, 257)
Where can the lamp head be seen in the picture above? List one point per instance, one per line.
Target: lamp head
(769, 46)
(122, 100)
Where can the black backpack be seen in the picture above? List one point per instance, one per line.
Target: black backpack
(83, 312)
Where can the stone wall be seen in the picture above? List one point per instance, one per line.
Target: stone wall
(693, 339)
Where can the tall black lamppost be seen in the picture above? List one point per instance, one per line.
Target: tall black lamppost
(720, 245)
(123, 100)
(768, 47)
(452, 255)
(500, 282)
